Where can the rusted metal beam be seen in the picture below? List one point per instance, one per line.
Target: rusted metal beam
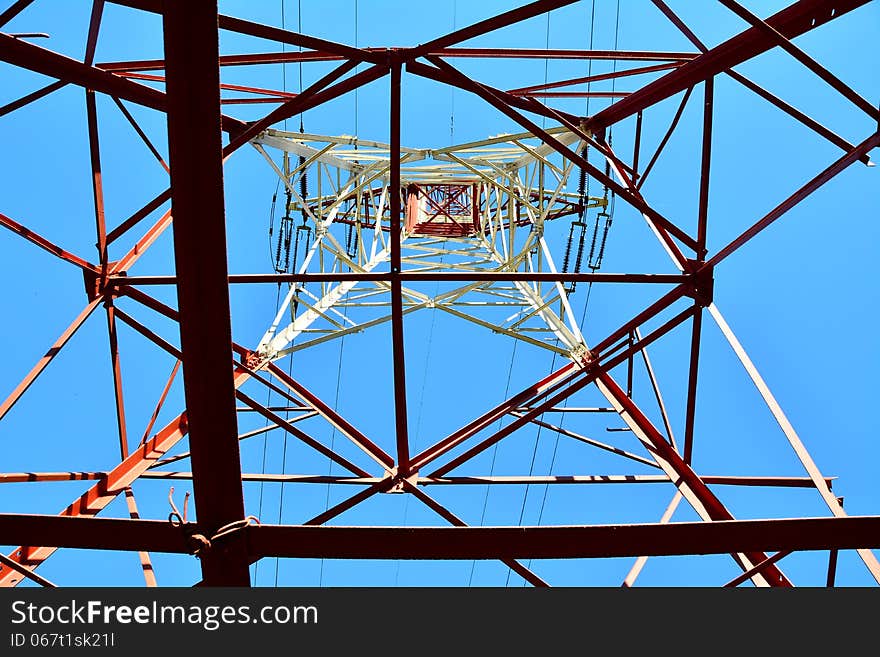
(195, 157)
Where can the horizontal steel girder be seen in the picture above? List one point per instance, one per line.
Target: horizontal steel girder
(560, 542)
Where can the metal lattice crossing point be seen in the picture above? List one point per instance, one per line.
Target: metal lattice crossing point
(364, 223)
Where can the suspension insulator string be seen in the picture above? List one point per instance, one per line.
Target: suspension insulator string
(595, 260)
(594, 265)
(583, 185)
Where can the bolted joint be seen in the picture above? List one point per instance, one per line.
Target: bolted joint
(399, 480)
(98, 285)
(583, 124)
(581, 355)
(253, 359)
(702, 282)
(199, 544)
(92, 282)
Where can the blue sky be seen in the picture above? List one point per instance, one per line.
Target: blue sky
(801, 296)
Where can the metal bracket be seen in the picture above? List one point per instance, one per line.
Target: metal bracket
(702, 282)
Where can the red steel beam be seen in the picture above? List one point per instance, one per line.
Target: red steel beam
(138, 216)
(228, 87)
(556, 53)
(46, 245)
(426, 277)
(546, 386)
(633, 199)
(702, 219)
(567, 542)
(687, 481)
(546, 542)
(97, 183)
(341, 424)
(574, 94)
(476, 480)
(793, 112)
(41, 364)
(301, 435)
(830, 172)
(314, 95)
(596, 78)
(691, 399)
(739, 579)
(146, 562)
(140, 133)
(780, 40)
(14, 10)
(241, 370)
(602, 541)
(269, 32)
(195, 156)
(100, 495)
(397, 348)
(566, 374)
(705, 167)
(117, 380)
(454, 520)
(307, 99)
(488, 25)
(160, 402)
(490, 53)
(596, 371)
(31, 97)
(797, 19)
(40, 60)
(666, 137)
(94, 28)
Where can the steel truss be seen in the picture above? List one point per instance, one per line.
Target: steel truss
(383, 217)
